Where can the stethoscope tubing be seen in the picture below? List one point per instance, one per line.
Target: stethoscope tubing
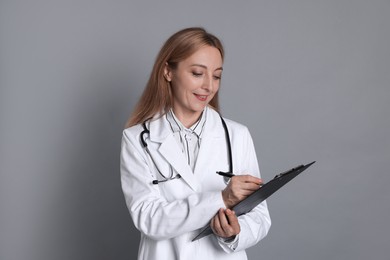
(145, 146)
(178, 176)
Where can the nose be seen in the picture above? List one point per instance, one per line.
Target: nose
(208, 83)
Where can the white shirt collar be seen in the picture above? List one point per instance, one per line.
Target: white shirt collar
(177, 126)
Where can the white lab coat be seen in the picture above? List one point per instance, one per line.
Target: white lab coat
(170, 214)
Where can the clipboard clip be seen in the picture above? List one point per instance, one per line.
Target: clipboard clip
(300, 167)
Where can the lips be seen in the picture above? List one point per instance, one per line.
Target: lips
(201, 97)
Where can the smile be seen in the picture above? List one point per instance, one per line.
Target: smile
(201, 97)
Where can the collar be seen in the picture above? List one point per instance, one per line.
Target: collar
(160, 128)
(176, 126)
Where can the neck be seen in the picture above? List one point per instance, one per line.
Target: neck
(187, 119)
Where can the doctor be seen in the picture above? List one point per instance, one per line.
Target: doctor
(174, 143)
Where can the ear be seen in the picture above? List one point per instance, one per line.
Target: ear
(167, 72)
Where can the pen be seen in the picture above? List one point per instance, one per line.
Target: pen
(226, 174)
(229, 175)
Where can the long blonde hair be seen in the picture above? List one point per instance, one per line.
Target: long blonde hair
(157, 95)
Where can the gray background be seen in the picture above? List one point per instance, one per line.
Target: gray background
(309, 78)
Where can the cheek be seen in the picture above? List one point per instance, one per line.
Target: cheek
(179, 93)
(216, 88)
(181, 86)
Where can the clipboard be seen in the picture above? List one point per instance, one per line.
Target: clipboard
(260, 195)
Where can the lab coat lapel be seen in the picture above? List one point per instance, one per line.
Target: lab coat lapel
(170, 150)
(213, 132)
(206, 156)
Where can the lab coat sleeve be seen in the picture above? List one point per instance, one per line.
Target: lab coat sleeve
(151, 213)
(255, 224)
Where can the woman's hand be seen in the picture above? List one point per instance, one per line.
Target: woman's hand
(225, 223)
(240, 187)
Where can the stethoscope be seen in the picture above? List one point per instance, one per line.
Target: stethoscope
(178, 176)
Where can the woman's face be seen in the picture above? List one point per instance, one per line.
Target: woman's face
(194, 82)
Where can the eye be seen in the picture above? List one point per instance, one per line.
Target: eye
(197, 74)
(216, 77)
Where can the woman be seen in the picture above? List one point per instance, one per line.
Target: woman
(171, 149)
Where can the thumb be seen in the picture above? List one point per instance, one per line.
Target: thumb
(231, 216)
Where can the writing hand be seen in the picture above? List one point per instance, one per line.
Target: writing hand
(239, 187)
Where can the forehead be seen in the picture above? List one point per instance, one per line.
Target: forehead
(207, 56)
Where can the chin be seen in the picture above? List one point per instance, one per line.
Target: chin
(200, 108)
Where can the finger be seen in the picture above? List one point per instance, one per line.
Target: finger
(246, 190)
(212, 225)
(234, 224)
(253, 179)
(250, 178)
(245, 185)
(232, 218)
(251, 186)
(226, 227)
(246, 179)
(244, 193)
(217, 224)
(222, 219)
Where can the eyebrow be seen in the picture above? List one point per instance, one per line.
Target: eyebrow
(204, 66)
